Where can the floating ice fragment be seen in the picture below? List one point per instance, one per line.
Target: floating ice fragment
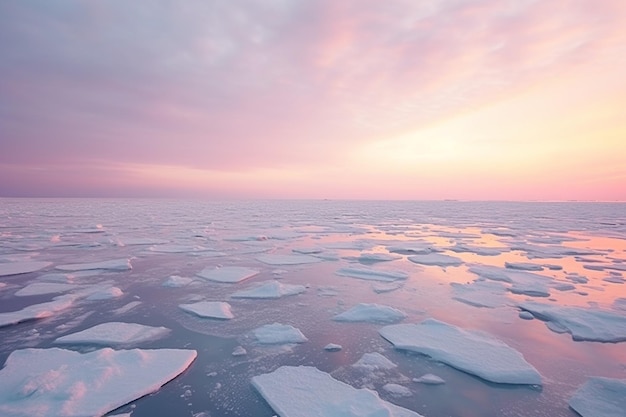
(380, 288)
(112, 265)
(332, 347)
(277, 333)
(239, 351)
(581, 323)
(493, 273)
(114, 333)
(105, 294)
(173, 248)
(413, 248)
(397, 390)
(209, 309)
(306, 391)
(465, 350)
(272, 259)
(526, 315)
(41, 288)
(175, 281)
(21, 267)
(373, 313)
(372, 274)
(480, 293)
(523, 266)
(270, 289)
(58, 382)
(36, 311)
(429, 379)
(228, 274)
(600, 397)
(436, 259)
(373, 257)
(478, 250)
(374, 361)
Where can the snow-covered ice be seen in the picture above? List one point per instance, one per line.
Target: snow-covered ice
(429, 379)
(277, 333)
(57, 382)
(270, 289)
(111, 265)
(273, 259)
(464, 350)
(436, 259)
(582, 323)
(36, 311)
(41, 288)
(374, 361)
(21, 267)
(372, 274)
(600, 397)
(114, 333)
(305, 391)
(209, 309)
(373, 313)
(228, 274)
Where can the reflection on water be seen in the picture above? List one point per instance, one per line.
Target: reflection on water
(77, 231)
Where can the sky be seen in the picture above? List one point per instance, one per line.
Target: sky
(351, 99)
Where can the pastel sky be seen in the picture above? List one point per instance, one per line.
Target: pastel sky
(366, 99)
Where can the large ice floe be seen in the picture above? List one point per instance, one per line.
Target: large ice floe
(521, 282)
(57, 382)
(373, 313)
(41, 288)
(270, 289)
(114, 333)
(278, 334)
(372, 274)
(36, 311)
(436, 259)
(21, 267)
(600, 397)
(112, 265)
(306, 391)
(209, 309)
(228, 274)
(581, 323)
(465, 350)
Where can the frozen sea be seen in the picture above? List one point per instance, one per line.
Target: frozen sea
(542, 283)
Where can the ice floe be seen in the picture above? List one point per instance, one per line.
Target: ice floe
(209, 309)
(277, 333)
(478, 250)
(373, 257)
(600, 397)
(429, 379)
(273, 259)
(239, 351)
(175, 248)
(523, 266)
(332, 347)
(480, 293)
(464, 350)
(21, 267)
(228, 274)
(372, 274)
(374, 361)
(436, 259)
(175, 281)
(397, 390)
(57, 382)
(105, 293)
(270, 289)
(114, 333)
(380, 288)
(581, 323)
(41, 288)
(306, 391)
(413, 248)
(36, 311)
(373, 313)
(111, 265)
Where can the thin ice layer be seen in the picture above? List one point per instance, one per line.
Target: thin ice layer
(304, 391)
(581, 323)
(465, 350)
(600, 397)
(58, 382)
(114, 333)
(228, 274)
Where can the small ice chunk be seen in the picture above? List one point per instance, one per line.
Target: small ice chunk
(278, 334)
(464, 350)
(42, 288)
(21, 267)
(308, 251)
(413, 248)
(374, 361)
(526, 315)
(577, 279)
(114, 333)
(373, 313)
(306, 391)
(239, 351)
(581, 323)
(270, 289)
(397, 390)
(523, 266)
(563, 286)
(327, 292)
(228, 274)
(380, 288)
(429, 379)
(600, 397)
(436, 259)
(372, 274)
(105, 294)
(112, 265)
(333, 347)
(58, 382)
(209, 309)
(175, 281)
(614, 279)
(478, 250)
(36, 311)
(273, 259)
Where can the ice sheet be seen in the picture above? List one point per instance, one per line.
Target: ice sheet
(373, 313)
(270, 289)
(306, 391)
(209, 309)
(114, 334)
(465, 350)
(228, 274)
(58, 382)
(600, 397)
